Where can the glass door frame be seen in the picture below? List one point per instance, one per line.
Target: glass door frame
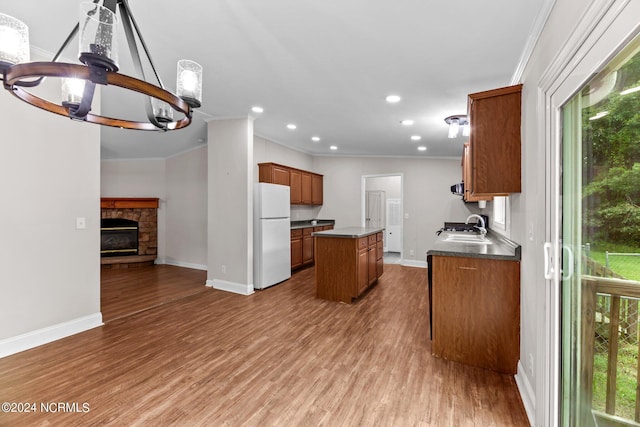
(606, 27)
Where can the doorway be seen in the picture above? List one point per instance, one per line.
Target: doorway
(382, 207)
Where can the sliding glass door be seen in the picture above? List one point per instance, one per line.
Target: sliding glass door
(601, 247)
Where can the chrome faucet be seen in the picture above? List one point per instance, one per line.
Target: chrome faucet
(481, 228)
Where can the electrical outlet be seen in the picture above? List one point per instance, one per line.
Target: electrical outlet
(531, 365)
(412, 252)
(224, 269)
(531, 232)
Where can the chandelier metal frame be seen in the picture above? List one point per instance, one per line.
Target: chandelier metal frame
(18, 78)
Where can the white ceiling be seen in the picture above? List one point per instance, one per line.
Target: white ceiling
(324, 65)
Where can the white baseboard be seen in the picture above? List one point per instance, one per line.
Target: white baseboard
(46, 335)
(170, 261)
(413, 263)
(526, 393)
(236, 288)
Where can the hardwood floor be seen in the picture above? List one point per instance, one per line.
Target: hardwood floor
(279, 357)
(127, 291)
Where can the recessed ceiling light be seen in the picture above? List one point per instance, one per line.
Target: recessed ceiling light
(334, 147)
(392, 99)
(315, 138)
(600, 115)
(416, 137)
(291, 126)
(407, 122)
(257, 109)
(632, 90)
(422, 148)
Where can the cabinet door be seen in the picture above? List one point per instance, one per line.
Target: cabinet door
(379, 258)
(307, 246)
(494, 117)
(363, 270)
(476, 312)
(280, 175)
(467, 178)
(296, 252)
(296, 186)
(296, 248)
(372, 266)
(305, 188)
(316, 190)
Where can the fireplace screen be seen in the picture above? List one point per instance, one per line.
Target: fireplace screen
(118, 237)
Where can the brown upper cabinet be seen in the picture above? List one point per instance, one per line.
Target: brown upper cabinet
(306, 187)
(295, 177)
(494, 143)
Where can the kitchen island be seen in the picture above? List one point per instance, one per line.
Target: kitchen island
(348, 261)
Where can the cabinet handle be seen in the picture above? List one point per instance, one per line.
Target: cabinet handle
(467, 268)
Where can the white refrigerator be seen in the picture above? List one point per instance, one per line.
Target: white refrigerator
(271, 235)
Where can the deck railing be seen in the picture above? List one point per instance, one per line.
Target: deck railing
(619, 290)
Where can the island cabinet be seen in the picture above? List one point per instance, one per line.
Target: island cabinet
(493, 154)
(306, 187)
(476, 311)
(347, 262)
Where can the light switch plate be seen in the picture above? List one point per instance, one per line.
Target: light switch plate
(81, 223)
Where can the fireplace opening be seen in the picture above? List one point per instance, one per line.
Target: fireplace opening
(118, 237)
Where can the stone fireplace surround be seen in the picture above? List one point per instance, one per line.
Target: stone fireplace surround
(143, 210)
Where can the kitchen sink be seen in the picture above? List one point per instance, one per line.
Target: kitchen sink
(466, 238)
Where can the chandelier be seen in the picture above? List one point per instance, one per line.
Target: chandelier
(98, 53)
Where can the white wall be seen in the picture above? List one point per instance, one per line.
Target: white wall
(138, 178)
(186, 219)
(391, 185)
(230, 204)
(427, 198)
(49, 270)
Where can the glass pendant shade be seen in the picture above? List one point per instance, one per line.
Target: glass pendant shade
(466, 129)
(97, 42)
(72, 91)
(453, 128)
(162, 110)
(14, 40)
(189, 84)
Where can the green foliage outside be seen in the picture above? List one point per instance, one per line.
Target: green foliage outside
(611, 177)
(611, 213)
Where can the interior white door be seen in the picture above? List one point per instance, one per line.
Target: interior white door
(393, 228)
(374, 204)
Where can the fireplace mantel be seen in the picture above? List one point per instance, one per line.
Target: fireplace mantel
(129, 202)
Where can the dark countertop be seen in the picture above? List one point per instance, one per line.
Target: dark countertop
(307, 223)
(501, 248)
(348, 232)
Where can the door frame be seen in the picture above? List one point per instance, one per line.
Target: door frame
(605, 28)
(363, 184)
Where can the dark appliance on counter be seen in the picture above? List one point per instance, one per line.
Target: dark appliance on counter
(458, 189)
(464, 227)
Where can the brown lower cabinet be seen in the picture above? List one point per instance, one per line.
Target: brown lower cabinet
(296, 248)
(476, 311)
(346, 267)
(302, 245)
